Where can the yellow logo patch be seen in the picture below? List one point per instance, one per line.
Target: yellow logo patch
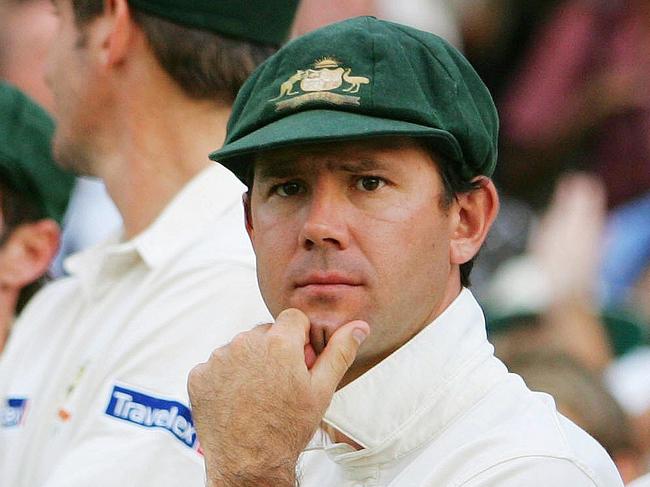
(318, 83)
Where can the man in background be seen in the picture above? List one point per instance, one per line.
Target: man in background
(27, 28)
(96, 371)
(34, 193)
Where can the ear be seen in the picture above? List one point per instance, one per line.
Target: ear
(476, 211)
(246, 201)
(28, 253)
(114, 32)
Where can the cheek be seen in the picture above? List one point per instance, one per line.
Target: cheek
(275, 243)
(408, 252)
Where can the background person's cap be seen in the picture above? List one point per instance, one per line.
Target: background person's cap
(364, 78)
(26, 162)
(261, 21)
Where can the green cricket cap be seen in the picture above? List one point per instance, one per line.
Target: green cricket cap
(365, 78)
(26, 161)
(260, 21)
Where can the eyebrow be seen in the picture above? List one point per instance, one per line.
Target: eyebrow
(360, 165)
(279, 168)
(274, 169)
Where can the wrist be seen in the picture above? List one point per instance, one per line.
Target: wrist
(267, 479)
(283, 475)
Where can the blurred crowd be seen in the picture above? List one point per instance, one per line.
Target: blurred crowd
(565, 274)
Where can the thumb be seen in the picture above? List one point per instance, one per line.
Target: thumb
(338, 356)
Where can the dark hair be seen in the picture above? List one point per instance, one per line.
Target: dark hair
(453, 185)
(204, 64)
(17, 209)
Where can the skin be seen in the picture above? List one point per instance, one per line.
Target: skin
(26, 31)
(25, 256)
(353, 247)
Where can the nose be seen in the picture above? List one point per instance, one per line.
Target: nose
(325, 221)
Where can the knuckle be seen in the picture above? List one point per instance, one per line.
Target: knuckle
(239, 342)
(196, 380)
(292, 315)
(217, 355)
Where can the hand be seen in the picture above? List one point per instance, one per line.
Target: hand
(256, 404)
(567, 244)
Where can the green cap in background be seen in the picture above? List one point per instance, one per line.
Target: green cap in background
(364, 78)
(260, 21)
(26, 162)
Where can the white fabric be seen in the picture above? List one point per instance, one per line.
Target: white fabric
(641, 482)
(442, 411)
(138, 315)
(91, 218)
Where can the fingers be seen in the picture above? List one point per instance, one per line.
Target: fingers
(338, 356)
(293, 322)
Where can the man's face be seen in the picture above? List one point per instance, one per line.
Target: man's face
(354, 231)
(74, 83)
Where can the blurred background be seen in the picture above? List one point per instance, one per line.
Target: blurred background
(565, 274)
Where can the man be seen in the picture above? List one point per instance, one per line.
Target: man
(34, 194)
(94, 379)
(368, 197)
(27, 28)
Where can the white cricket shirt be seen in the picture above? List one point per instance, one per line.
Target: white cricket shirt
(93, 381)
(640, 482)
(442, 411)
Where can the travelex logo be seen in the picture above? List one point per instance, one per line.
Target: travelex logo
(153, 412)
(12, 413)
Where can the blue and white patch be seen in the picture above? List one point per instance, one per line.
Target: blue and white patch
(12, 413)
(153, 412)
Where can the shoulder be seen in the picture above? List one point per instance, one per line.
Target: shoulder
(535, 471)
(44, 306)
(514, 437)
(527, 440)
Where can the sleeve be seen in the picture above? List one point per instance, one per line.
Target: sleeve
(138, 430)
(534, 472)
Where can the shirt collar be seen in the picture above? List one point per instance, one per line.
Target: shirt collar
(194, 209)
(198, 205)
(378, 408)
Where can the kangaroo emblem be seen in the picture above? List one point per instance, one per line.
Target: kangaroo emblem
(355, 81)
(323, 82)
(286, 88)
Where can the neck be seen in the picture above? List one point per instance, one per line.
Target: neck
(8, 303)
(451, 291)
(161, 141)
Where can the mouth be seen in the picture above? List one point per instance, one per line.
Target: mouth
(327, 280)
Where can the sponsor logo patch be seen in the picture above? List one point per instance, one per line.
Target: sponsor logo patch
(12, 413)
(153, 412)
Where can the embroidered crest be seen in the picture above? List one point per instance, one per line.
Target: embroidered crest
(318, 83)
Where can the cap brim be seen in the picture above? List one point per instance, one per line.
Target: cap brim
(317, 126)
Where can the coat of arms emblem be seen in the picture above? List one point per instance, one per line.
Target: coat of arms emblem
(318, 82)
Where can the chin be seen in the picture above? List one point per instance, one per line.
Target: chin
(324, 324)
(329, 324)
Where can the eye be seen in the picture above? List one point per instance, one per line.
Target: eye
(290, 188)
(370, 183)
